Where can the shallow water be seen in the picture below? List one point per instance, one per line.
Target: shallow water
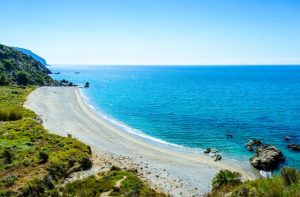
(196, 107)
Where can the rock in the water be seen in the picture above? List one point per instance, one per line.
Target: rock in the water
(253, 143)
(208, 150)
(256, 142)
(249, 147)
(267, 157)
(229, 135)
(287, 138)
(294, 147)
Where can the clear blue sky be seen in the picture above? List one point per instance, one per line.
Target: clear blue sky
(155, 31)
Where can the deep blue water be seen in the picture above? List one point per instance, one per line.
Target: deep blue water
(197, 106)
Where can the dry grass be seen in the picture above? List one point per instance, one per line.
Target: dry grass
(10, 114)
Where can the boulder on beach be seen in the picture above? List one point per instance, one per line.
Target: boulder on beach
(218, 157)
(294, 147)
(208, 150)
(266, 157)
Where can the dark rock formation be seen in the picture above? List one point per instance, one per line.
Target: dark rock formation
(250, 147)
(218, 157)
(287, 138)
(66, 83)
(208, 150)
(87, 85)
(253, 143)
(294, 147)
(267, 157)
(229, 135)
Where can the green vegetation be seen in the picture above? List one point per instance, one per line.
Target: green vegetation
(129, 185)
(22, 78)
(226, 177)
(32, 160)
(290, 175)
(287, 184)
(3, 79)
(9, 114)
(18, 68)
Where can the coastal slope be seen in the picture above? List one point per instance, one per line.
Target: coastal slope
(17, 67)
(64, 111)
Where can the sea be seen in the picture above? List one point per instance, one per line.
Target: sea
(195, 107)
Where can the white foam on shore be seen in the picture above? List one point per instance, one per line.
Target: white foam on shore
(153, 140)
(138, 133)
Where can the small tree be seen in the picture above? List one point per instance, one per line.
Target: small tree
(226, 177)
(86, 163)
(8, 64)
(290, 175)
(3, 79)
(23, 78)
(8, 155)
(43, 157)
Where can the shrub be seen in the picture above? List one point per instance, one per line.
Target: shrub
(86, 163)
(23, 78)
(226, 177)
(244, 192)
(9, 180)
(3, 79)
(89, 150)
(10, 114)
(115, 168)
(43, 157)
(48, 182)
(8, 64)
(290, 175)
(8, 156)
(34, 188)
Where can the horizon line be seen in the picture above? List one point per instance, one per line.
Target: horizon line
(173, 64)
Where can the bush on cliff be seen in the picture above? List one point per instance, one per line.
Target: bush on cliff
(286, 184)
(226, 177)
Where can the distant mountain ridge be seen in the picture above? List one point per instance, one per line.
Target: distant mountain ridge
(33, 55)
(14, 63)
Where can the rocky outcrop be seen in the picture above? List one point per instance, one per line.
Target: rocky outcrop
(267, 157)
(287, 138)
(218, 157)
(253, 143)
(294, 147)
(207, 150)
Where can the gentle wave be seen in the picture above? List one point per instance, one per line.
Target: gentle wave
(137, 132)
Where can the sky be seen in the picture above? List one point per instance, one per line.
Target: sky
(154, 32)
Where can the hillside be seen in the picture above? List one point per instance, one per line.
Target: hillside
(18, 68)
(34, 162)
(33, 55)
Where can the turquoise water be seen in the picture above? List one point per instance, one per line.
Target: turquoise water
(196, 107)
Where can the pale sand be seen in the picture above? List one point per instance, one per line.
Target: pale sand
(63, 110)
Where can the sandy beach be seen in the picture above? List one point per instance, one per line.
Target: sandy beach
(64, 111)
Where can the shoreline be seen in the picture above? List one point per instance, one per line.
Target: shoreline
(63, 111)
(154, 140)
